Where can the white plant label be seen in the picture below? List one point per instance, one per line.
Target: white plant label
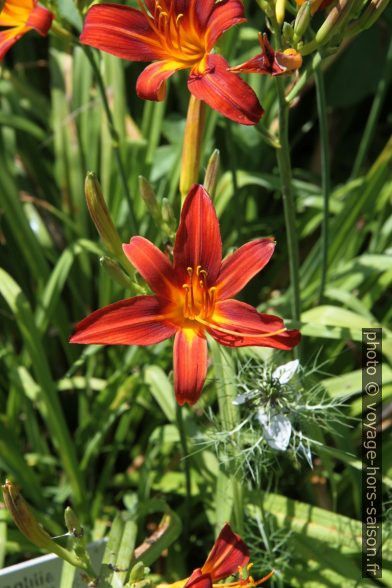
(45, 571)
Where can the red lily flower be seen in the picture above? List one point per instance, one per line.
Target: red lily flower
(176, 34)
(228, 557)
(271, 62)
(316, 4)
(193, 297)
(20, 16)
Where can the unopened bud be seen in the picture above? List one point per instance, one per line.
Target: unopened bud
(280, 10)
(287, 33)
(115, 272)
(168, 218)
(212, 171)
(372, 13)
(100, 215)
(72, 523)
(138, 572)
(267, 7)
(148, 194)
(302, 21)
(24, 518)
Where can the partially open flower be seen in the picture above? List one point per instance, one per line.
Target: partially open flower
(270, 62)
(228, 557)
(176, 35)
(20, 16)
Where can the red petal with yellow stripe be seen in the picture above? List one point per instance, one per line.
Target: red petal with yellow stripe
(190, 365)
(237, 324)
(242, 265)
(198, 241)
(135, 321)
(121, 31)
(224, 91)
(227, 555)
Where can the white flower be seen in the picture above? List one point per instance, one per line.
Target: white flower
(285, 372)
(276, 430)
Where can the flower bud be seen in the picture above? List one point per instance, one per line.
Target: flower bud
(280, 10)
(115, 272)
(149, 197)
(24, 518)
(302, 21)
(169, 222)
(212, 171)
(100, 215)
(72, 523)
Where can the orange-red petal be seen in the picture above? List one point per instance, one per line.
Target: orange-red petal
(198, 240)
(190, 365)
(121, 31)
(225, 92)
(9, 37)
(248, 327)
(40, 19)
(223, 16)
(151, 84)
(198, 580)
(134, 321)
(227, 555)
(240, 267)
(151, 264)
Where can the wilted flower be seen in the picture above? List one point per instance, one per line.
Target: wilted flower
(271, 62)
(20, 16)
(176, 35)
(193, 297)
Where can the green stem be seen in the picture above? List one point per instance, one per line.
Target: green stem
(187, 471)
(226, 392)
(284, 163)
(375, 110)
(325, 176)
(114, 136)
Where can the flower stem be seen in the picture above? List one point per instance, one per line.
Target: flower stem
(325, 176)
(114, 136)
(224, 373)
(187, 470)
(284, 164)
(192, 146)
(375, 110)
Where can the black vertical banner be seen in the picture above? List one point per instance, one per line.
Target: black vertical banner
(371, 453)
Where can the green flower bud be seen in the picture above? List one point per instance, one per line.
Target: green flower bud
(212, 171)
(100, 215)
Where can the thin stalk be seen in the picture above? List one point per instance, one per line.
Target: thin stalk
(325, 176)
(224, 373)
(114, 136)
(284, 164)
(374, 113)
(192, 146)
(187, 470)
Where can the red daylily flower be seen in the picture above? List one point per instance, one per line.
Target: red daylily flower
(228, 557)
(271, 62)
(192, 298)
(20, 16)
(316, 4)
(175, 35)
